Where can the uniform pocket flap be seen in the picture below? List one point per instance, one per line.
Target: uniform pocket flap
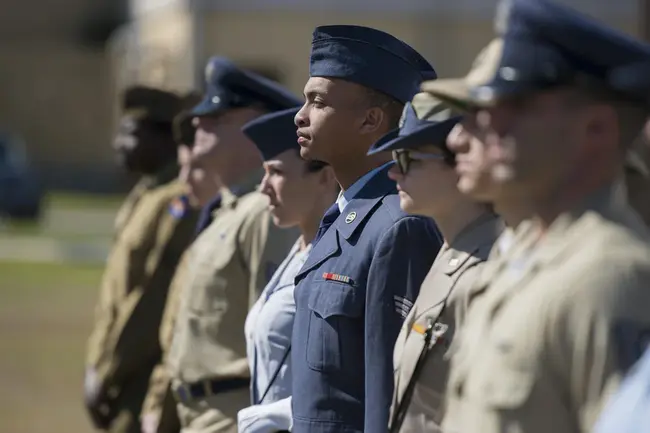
(333, 299)
(508, 389)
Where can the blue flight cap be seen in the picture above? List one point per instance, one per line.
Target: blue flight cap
(542, 45)
(633, 78)
(228, 86)
(425, 120)
(274, 133)
(368, 57)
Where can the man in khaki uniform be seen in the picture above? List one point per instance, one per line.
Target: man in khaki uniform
(159, 413)
(153, 227)
(565, 316)
(469, 229)
(231, 261)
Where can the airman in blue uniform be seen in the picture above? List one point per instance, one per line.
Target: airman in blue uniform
(369, 258)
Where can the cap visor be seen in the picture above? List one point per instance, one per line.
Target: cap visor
(434, 133)
(206, 108)
(452, 91)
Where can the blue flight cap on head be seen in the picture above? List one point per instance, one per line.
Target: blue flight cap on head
(634, 78)
(228, 86)
(274, 133)
(368, 57)
(542, 45)
(425, 121)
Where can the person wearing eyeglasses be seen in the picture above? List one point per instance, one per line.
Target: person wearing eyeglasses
(299, 192)
(427, 184)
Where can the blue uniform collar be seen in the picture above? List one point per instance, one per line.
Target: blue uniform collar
(346, 196)
(358, 210)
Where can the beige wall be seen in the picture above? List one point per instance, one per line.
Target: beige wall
(55, 92)
(55, 95)
(449, 41)
(165, 38)
(62, 97)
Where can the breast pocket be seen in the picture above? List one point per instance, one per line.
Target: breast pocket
(335, 331)
(510, 389)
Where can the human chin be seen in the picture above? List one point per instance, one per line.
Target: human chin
(476, 188)
(406, 202)
(305, 152)
(310, 153)
(280, 219)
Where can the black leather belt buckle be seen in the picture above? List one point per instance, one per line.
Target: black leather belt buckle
(187, 392)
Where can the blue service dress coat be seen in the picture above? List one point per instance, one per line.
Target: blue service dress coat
(352, 296)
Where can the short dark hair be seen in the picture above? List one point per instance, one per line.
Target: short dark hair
(391, 106)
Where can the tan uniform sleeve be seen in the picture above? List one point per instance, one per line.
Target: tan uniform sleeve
(134, 341)
(104, 314)
(160, 380)
(596, 336)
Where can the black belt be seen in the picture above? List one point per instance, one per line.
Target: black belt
(198, 390)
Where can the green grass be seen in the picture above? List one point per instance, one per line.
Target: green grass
(46, 313)
(69, 217)
(84, 201)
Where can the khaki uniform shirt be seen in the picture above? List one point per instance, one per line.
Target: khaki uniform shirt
(446, 285)
(151, 234)
(562, 320)
(160, 380)
(230, 263)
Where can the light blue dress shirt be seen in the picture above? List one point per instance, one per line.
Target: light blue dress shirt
(268, 329)
(629, 409)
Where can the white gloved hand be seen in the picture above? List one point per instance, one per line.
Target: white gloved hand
(91, 384)
(149, 422)
(266, 418)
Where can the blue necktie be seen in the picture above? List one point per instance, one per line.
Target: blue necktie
(205, 217)
(328, 219)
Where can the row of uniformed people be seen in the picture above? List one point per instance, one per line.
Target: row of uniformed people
(558, 314)
(358, 279)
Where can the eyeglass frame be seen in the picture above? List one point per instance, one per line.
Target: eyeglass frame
(404, 157)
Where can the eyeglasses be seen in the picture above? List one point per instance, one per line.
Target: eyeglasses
(403, 158)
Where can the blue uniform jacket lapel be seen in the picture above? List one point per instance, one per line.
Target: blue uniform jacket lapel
(353, 218)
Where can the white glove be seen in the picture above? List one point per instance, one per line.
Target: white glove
(91, 384)
(265, 418)
(149, 422)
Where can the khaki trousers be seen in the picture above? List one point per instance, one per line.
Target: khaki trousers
(214, 414)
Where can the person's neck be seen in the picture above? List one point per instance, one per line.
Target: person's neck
(350, 171)
(512, 212)
(457, 218)
(309, 226)
(547, 206)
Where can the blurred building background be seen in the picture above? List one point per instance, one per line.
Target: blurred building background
(64, 62)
